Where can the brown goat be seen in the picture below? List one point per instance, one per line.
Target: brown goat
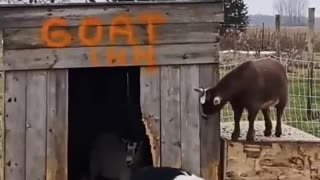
(253, 85)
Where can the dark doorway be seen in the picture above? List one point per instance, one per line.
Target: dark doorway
(102, 100)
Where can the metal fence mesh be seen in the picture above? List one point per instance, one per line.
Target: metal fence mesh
(303, 108)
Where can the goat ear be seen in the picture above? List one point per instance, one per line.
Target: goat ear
(216, 100)
(199, 90)
(124, 140)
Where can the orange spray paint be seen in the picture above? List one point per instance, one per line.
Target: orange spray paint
(91, 41)
(141, 56)
(121, 25)
(116, 56)
(151, 19)
(57, 38)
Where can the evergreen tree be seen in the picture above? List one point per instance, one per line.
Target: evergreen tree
(235, 13)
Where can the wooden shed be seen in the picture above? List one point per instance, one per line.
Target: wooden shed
(174, 46)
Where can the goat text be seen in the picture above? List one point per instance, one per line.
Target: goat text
(121, 25)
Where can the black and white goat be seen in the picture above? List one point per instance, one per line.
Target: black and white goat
(163, 173)
(112, 157)
(253, 85)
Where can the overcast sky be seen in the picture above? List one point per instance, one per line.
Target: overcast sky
(266, 6)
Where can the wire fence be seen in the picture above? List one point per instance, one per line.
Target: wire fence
(303, 108)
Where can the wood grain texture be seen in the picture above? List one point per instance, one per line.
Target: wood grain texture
(36, 125)
(81, 57)
(2, 133)
(57, 125)
(15, 125)
(170, 116)
(29, 38)
(210, 128)
(150, 107)
(186, 12)
(190, 123)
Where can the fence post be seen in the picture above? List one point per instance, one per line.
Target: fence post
(311, 17)
(262, 42)
(277, 38)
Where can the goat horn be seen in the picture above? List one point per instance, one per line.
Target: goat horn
(199, 90)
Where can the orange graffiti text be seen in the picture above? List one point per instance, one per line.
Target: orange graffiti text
(54, 34)
(57, 38)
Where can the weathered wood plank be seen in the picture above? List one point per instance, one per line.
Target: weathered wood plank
(224, 157)
(57, 125)
(186, 12)
(210, 128)
(30, 38)
(170, 116)
(190, 123)
(2, 133)
(15, 125)
(150, 108)
(36, 125)
(117, 56)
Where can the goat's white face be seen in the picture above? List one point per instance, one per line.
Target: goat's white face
(131, 151)
(203, 93)
(203, 98)
(208, 100)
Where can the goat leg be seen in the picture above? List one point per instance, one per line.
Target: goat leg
(237, 116)
(252, 116)
(268, 123)
(278, 126)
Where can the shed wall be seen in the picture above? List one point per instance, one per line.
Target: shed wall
(145, 34)
(181, 54)
(36, 125)
(170, 109)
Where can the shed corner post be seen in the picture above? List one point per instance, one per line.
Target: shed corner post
(210, 128)
(2, 162)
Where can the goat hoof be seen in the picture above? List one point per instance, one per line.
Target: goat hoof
(267, 133)
(250, 138)
(235, 136)
(278, 133)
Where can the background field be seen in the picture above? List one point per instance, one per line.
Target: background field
(293, 40)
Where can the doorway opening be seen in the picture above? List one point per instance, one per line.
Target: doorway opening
(103, 100)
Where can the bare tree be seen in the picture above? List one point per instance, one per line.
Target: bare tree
(294, 11)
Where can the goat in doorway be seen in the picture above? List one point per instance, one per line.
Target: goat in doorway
(112, 157)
